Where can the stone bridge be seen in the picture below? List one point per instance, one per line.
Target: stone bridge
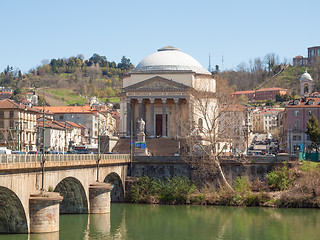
(69, 175)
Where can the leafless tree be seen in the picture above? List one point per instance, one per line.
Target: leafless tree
(212, 128)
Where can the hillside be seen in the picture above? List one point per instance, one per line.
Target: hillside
(70, 81)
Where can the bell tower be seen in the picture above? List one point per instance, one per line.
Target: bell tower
(306, 83)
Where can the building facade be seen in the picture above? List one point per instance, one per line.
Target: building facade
(158, 91)
(17, 126)
(313, 55)
(261, 94)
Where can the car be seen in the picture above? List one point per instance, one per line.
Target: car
(18, 152)
(34, 152)
(4, 150)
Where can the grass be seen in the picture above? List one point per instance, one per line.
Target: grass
(68, 96)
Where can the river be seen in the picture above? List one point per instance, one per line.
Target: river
(139, 222)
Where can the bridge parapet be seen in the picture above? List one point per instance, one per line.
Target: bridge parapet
(27, 158)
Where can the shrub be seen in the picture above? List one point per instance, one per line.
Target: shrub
(143, 190)
(176, 190)
(280, 179)
(242, 184)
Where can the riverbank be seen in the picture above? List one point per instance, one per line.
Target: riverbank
(297, 187)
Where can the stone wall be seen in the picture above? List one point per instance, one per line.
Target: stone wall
(168, 167)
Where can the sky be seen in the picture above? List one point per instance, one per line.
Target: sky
(35, 30)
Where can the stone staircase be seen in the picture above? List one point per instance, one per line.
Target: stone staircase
(156, 146)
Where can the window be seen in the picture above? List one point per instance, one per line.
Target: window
(1, 136)
(1, 124)
(11, 125)
(200, 124)
(296, 138)
(309, 113)
(296, 124)
(296, 113)
(1, 114)
(11, 114)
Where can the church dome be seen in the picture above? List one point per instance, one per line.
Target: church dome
(306, 76)
(169, 59)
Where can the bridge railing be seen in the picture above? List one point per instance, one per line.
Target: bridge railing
(24, 158)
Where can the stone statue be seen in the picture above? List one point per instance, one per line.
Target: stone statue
(141, 125)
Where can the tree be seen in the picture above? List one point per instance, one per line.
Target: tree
(313, 131)
(213, 127)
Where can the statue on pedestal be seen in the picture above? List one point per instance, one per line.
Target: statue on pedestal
(141, 124)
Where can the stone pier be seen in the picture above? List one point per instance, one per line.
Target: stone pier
(44, 212)
(99, 197)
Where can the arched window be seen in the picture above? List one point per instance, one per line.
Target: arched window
(200, 124)
(306, 88)
(1, 136)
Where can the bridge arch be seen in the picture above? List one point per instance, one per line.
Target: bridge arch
(117, 193)
(74, 196)
(12, 217)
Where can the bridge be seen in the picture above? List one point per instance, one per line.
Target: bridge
(21, 176)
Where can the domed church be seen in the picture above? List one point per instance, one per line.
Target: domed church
(158, 91)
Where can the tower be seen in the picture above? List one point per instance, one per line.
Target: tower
(306, 83)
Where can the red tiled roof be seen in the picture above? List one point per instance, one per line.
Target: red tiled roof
(271, 89)
(70, 109)
(11, 104)
(244, 92)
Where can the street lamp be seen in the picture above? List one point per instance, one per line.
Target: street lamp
(99, 157)
(43, 142)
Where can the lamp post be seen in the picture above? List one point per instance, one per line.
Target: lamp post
(43, 144)
(98, 159)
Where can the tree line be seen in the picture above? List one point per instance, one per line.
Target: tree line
(95, 76)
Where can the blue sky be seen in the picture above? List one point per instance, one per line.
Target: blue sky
(35, 30)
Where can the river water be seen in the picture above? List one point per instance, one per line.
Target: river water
(139, 222)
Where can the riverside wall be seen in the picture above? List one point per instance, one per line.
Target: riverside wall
(162, 167)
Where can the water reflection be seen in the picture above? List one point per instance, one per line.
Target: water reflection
(128, 221)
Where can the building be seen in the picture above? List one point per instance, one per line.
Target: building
(59, 136)
(158, 91)
(250, 94)
(298, 113)
(313, 55)
(261, 94)
(266, 120)
(269, 93)
(92, 119)
(17, 126)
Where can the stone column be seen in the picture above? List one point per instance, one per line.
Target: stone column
(99, 197)
(164, 132)
(177, 116)
(128, 117)
(152, 117)
(140, 109)
(44, 212)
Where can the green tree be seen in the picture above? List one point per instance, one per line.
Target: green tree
(313, 131)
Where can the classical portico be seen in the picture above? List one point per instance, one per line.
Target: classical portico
(158, 102)
(158, 91)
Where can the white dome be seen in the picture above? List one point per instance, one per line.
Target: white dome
(306, 76)
(170, 59)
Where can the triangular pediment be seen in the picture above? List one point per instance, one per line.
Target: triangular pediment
(157, 84)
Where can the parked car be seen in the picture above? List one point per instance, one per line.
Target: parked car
(4, 150)
(83, 151)
(34, 152)
(18, 152)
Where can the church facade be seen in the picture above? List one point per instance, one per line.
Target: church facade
(159, 91)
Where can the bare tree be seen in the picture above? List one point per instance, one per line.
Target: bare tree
(212, 128)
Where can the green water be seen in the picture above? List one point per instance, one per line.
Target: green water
(128, 221)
